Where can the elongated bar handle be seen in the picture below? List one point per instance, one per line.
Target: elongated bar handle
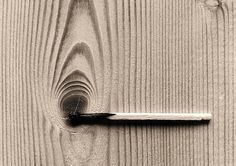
(78, 118)
(161, 116)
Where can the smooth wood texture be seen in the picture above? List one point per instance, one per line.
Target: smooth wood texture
(125, 56)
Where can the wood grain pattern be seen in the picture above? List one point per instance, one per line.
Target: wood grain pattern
(119, 56)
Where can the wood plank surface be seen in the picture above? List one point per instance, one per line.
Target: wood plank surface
(117, 56)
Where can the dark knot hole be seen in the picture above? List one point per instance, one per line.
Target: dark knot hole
(73, 105)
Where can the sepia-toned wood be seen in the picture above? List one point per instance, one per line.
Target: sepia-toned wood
(120, 56)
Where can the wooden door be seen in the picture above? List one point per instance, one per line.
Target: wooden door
(117, 56)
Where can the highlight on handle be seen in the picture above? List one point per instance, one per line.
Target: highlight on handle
(161, 116)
